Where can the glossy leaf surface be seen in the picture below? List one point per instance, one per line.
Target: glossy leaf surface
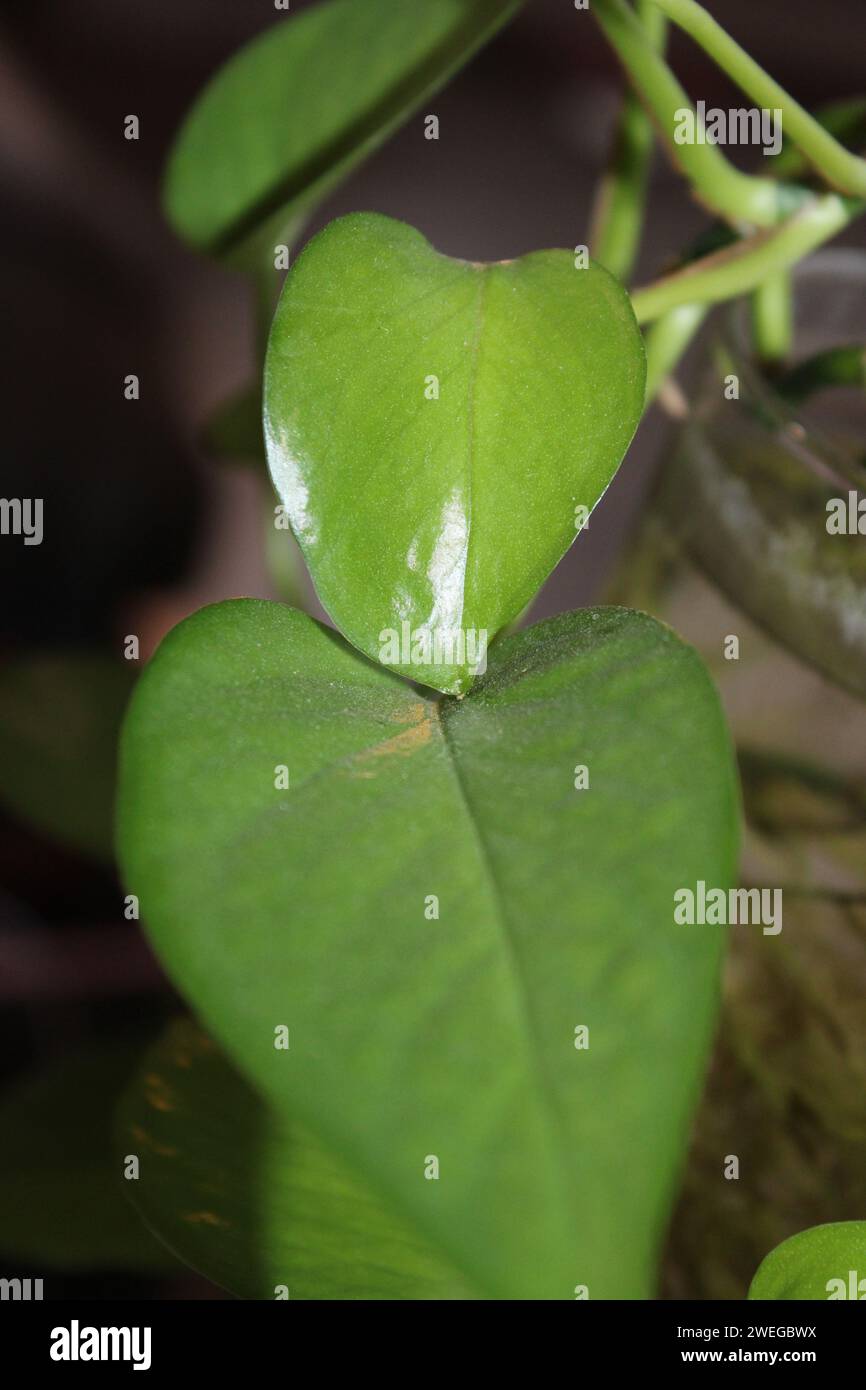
(292, 113)
(432, 426)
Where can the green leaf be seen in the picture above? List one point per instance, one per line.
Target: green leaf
(816, 1264)
(414, 1035)
(254, 1201)
(425, 519)
(60, 718)
(61, 1202)
(294, 111)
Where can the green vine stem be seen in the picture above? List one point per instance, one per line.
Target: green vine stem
(618, 216)
(845, 119)
(742, 199)
(836, 165)
(619, 211)
(773, 317)
(741, 268)
(667, 340)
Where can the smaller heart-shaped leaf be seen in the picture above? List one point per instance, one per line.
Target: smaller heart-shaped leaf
(437, 430)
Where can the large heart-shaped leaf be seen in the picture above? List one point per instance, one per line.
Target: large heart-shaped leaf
(289, 116)
(433, 908)
(432, 426)
(254, 1201)
(824, 1262)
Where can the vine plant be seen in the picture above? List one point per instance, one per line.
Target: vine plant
(417, 880)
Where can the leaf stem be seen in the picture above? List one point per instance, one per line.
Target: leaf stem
(742, 199)
(619, 210)
(841, 169)
(740, 268)
(620, 205)
(666, 342)
(773, 317)
(845, 119)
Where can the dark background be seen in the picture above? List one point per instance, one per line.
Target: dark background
(141, 526)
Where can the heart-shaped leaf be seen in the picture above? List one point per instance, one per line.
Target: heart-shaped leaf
(432, 427)
(442, 914)
(253, 1201)
(824, 1262)
(295, 110)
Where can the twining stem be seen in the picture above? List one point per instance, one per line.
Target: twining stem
(619, 210)
(740, 268)
(667, 340)
(618, 216)
(742, 199)
(846, 120)
(654, 22)
(836, 165)
(773, 317)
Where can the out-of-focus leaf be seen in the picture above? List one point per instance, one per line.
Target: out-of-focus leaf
(60, 716)
(434, 910)
(432, 425)
(750, 504)
(825, 1262)
(254, 1201)
(295, 110)
(61, 1202)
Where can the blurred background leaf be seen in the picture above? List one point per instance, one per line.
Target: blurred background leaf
(750, 505)
(295, 110)
(61, 1203)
